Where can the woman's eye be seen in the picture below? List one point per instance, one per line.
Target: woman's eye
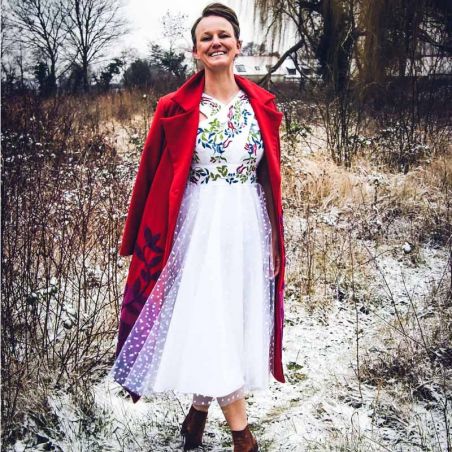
(206, 38)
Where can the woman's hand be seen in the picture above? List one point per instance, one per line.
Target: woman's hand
(276, 256)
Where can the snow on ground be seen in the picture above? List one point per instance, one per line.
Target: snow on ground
(324, 407)
(321, 406)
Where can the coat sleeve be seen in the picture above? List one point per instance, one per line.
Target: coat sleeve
(275, 107)
(149, 161)
(264, 178)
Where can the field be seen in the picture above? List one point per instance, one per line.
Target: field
(368, 305)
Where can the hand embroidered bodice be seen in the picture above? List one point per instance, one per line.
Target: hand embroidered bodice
(228, 142)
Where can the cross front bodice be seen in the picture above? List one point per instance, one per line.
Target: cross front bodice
(228, 143)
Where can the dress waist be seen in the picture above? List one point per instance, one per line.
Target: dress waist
(224, 173)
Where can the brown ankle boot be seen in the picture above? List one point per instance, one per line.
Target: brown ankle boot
(193, 428)
(244, 441)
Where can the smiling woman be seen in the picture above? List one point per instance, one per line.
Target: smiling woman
(205, 229)
(216, 45)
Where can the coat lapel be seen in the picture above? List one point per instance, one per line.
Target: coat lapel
(181, 129)
(269, 121)
(180, 134)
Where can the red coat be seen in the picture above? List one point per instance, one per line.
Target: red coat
(159, 187)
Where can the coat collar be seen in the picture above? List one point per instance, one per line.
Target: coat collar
(189, 94)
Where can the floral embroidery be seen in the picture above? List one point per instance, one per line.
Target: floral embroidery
(150, 254)
(215, 107)
(243, 173)
(214, 136)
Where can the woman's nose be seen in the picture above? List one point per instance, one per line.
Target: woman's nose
(215, 40)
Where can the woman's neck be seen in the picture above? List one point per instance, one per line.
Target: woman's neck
(221, 84)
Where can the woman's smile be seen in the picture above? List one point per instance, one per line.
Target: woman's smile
(216, 45)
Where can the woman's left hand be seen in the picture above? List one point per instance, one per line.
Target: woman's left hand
(276, 257)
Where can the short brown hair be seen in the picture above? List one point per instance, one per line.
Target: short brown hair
(217, 9)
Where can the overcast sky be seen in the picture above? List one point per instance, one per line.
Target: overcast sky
(144, 18)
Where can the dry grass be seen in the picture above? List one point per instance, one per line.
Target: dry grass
(324, 184)
(115, 105)
(332, 217)
(65, 188)
(71, 177)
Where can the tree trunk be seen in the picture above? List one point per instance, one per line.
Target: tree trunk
(85, 74)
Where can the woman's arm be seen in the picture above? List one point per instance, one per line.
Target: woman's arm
(264, 180)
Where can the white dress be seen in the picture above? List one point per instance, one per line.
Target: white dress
(213, 335)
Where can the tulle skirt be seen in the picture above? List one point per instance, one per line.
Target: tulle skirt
(207, 326)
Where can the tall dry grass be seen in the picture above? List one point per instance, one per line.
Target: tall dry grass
(68, 168)
(340, 223)
(64, 199)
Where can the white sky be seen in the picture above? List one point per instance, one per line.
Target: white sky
(144, 18)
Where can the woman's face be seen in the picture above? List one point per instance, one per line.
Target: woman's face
(216, 45)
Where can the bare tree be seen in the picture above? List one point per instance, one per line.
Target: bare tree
(276, 15)
(92, 26)
(395, 42)
(380, 36)
(39, 26)
(174, 27)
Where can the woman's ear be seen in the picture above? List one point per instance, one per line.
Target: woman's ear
(239, 48)
(198, 64)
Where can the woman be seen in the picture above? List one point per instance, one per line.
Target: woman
(203, 304)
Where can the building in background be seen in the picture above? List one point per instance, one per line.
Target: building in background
(255, 67)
